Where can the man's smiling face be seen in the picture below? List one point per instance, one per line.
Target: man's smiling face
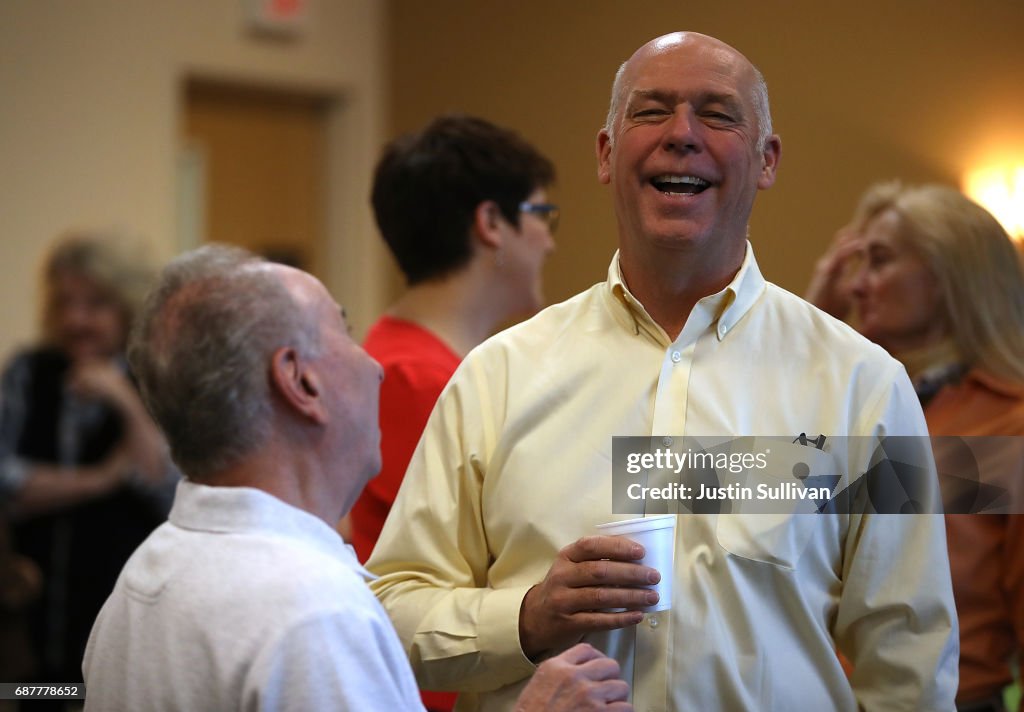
(682, 154)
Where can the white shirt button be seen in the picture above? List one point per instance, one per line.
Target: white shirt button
(666, 441)
(676, 357)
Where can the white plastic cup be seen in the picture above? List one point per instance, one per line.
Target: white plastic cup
(657, 535)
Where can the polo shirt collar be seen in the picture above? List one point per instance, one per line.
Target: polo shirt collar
(246, 510)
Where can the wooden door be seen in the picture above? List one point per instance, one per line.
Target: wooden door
(262, 158)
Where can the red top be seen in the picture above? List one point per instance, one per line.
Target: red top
(417, 366)
(986, 551)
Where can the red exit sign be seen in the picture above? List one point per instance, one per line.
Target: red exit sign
(280, 17)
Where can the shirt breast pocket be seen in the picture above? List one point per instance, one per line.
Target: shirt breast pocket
(774, 514)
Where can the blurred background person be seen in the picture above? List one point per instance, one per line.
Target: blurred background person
(933, 278)
(463, 207)
(85, 471)
(20, 585)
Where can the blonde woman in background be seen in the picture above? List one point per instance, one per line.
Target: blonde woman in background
(934, 279)
(84, 471)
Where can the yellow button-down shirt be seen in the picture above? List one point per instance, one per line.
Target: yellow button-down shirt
(515, 463)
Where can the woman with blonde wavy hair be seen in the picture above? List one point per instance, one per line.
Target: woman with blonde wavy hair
(933, 278)
(84, 471)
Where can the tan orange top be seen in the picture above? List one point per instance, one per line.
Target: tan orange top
(986, 551)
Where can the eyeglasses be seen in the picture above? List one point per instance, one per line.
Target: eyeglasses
(548, 212)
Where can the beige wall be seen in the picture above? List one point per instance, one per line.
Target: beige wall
(90, 100)
(860, 92)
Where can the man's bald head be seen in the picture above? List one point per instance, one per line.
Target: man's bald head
(622, 84)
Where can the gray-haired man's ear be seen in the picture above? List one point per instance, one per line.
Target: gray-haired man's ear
(295, 380)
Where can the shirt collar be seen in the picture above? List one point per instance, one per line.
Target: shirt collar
(723, 310)
(997, 385)
(240, 510)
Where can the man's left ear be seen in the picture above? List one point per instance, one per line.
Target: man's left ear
(297, 383)
(770, 156)
(603, 148)
(488, 224)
